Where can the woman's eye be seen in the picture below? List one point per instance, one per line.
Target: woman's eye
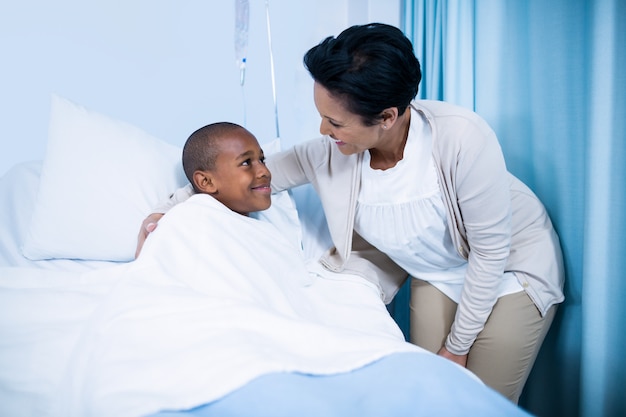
(262, 160)
(247, 162)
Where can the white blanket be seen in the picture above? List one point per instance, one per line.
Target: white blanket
(215, 300)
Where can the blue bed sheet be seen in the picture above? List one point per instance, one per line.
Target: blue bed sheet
(403, 384)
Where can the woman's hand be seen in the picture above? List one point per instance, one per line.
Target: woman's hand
(147, 227)
(460, 359)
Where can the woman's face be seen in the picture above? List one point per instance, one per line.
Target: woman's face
(346, 128)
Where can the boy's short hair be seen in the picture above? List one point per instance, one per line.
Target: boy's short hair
(202, 147)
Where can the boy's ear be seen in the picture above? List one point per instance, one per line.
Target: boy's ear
(204, 182)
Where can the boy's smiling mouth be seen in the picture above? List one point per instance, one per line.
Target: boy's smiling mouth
(262, 187)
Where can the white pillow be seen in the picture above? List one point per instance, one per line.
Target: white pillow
(100, 178)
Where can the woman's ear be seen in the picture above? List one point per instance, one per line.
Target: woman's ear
(389, 117)
(203, 180)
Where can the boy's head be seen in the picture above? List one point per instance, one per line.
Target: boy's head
(225, 160)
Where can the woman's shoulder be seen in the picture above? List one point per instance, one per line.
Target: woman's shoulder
(451, 118)
(437, 109)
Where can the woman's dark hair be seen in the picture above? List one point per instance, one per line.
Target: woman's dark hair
(370, 67)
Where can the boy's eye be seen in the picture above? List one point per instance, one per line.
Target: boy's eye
(248, 162)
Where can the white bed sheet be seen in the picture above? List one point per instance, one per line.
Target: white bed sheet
(42, 313)
(47, 318)
(215, 300)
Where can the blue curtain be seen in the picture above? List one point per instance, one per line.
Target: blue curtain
(549, 76)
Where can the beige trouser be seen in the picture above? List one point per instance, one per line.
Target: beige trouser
(504, 351)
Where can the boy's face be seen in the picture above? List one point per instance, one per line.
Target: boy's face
(240, 178)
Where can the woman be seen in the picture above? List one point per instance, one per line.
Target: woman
(421, 187)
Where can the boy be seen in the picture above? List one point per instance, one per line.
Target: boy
(223, 160)
(226, 161)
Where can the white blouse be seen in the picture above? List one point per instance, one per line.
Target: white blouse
(401, 212)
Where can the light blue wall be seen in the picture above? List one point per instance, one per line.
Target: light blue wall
(167, 67)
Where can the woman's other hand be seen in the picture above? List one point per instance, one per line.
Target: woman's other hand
(147, 227)
(460, 359)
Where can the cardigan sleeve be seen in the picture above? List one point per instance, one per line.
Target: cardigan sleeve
(180, 195)
(477, 193)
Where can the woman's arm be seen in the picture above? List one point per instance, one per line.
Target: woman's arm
(147, 227)
(479, 192)
(150, 223)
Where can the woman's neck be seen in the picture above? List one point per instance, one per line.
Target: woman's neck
(392, 151)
